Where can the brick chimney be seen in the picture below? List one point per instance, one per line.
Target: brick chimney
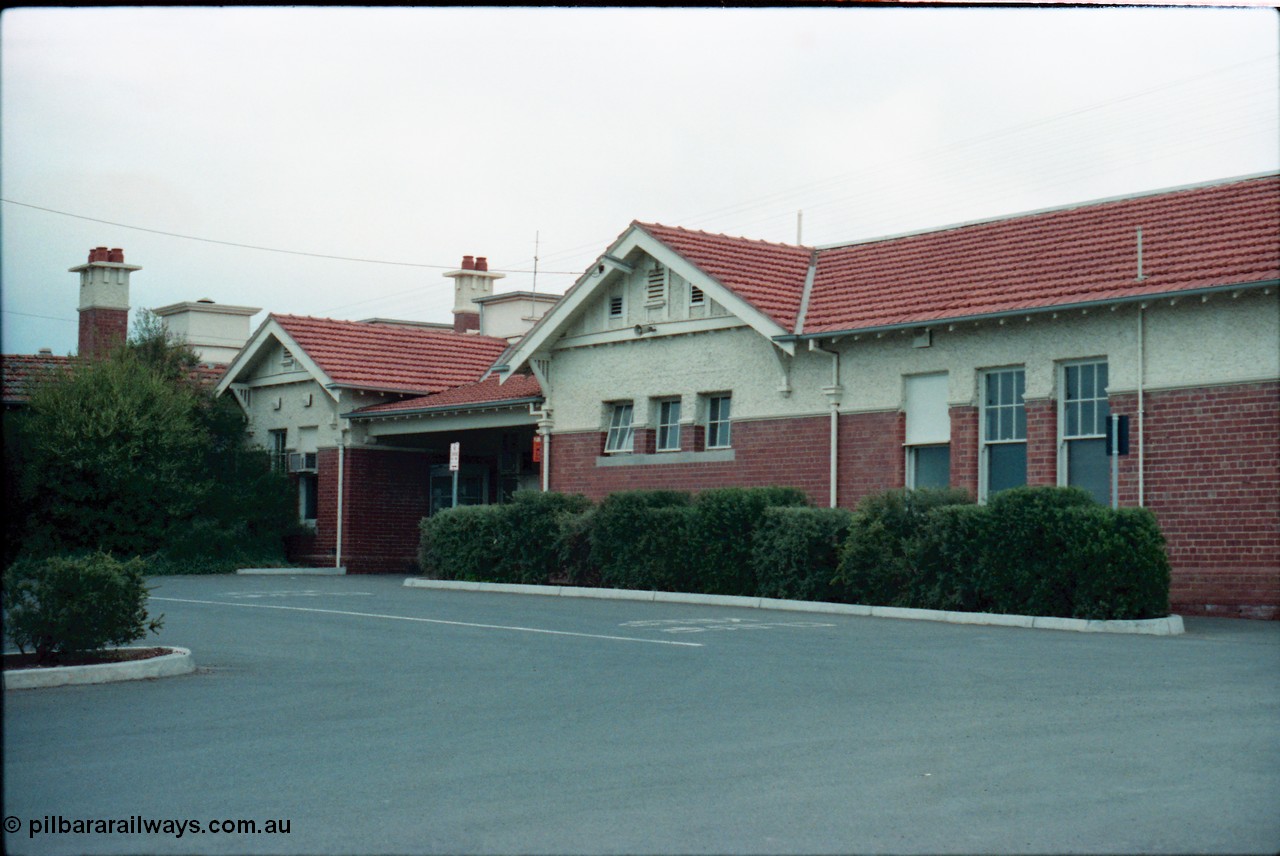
(471, 281)
(104, 301)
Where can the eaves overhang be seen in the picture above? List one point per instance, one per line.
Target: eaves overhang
(445, 409)
(1152, 297)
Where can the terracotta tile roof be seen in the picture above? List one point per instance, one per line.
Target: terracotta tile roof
(1195, 238)
(20, 370)
(487, 391)
(767, 275)
(390, 356)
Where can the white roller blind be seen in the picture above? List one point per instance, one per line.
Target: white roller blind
(927, 418)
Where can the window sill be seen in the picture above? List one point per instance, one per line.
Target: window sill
(712, 456)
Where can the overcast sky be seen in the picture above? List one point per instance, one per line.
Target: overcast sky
(419, 135)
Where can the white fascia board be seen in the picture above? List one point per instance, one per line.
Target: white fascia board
(495, 417)
(271, 331)
(540, 337)
(637, 238)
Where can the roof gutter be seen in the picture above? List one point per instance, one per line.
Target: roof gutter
(1037, 310)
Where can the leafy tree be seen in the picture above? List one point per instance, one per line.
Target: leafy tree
(131, 456)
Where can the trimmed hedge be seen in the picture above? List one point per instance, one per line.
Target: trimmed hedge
(75, 604)
(881, 563)
(796, 552)
(1030, 551)
(515, 543)
(639, 538)
(724, 528)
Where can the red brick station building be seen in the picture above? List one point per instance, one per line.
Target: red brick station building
(982, 356)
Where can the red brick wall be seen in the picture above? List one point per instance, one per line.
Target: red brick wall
(790, 452)
(759, 459)
(386, 496)
(871, 456)
(964, 448)
(1213, 480)
(1042, 441)
(101, 330)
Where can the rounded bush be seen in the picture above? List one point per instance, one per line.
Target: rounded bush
(72, 605)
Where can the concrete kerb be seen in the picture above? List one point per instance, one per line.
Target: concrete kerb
(1169, 626)
(293, 572)
(178, 662)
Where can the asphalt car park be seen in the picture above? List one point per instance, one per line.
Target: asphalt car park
(374, 718)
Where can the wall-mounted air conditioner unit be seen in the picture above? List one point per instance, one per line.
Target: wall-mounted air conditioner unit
(302, 462)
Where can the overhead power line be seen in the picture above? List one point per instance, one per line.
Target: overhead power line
(263, 249)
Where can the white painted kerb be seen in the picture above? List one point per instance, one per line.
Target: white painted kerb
(179, 662)
(1168, 626)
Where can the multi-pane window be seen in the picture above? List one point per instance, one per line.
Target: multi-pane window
(928, 435)
(1082, 421)
(279, 457)
(1004, 431)
(669, 426)
(619, 438)
(718, 413)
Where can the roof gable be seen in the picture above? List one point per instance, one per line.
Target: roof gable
(770, 277)
(1200, 237)
(382, 357)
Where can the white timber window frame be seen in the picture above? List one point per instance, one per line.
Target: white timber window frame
(1083, 408)
(928, 430)
(719, 428)
(1002, 431)
(279, 448)
(620, 437)
(668, 436)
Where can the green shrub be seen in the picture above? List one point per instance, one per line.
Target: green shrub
(655, 555)
(948, 556)
(70, 605)
(532, 535)
(520, 542)
(882, 561)
(1131, 577)
(1034, 550)
(575, 549)
(1030, 551)
(723, 534)
(796, 551)
(463, 543)
(620, 533)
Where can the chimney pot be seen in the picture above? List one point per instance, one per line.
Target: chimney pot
(116, 255)
(482, 263)
(98, 254)
(46, 352)
(468, 263)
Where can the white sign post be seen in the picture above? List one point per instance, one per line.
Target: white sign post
(455, 458)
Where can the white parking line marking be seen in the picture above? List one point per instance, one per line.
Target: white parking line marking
(433, 621)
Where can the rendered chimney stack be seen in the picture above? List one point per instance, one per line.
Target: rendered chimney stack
(471, 281)
(104, 301)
